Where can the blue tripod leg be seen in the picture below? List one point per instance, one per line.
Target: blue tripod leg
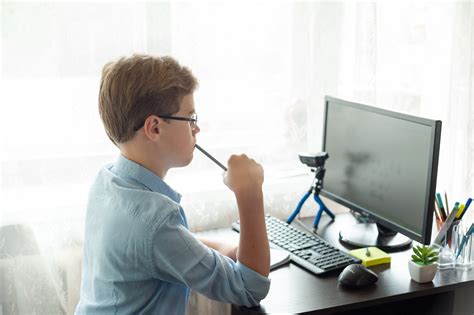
(298, 207)
(322, 207)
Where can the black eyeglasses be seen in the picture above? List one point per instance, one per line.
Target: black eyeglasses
(192, 120)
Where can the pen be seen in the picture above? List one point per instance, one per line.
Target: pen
(437, 216)
(446, 199)
(211, 157)
(437, 211)
(439, 222)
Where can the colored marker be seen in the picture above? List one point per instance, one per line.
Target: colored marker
(437, 211)
(441, 207)
(460, 211)
(468, 203)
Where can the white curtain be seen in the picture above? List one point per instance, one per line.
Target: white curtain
(264, 68)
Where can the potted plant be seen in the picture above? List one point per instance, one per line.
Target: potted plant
(422, 265)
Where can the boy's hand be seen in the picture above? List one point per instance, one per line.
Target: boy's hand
(243, 174)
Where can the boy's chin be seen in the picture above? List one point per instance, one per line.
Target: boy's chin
(190, 159)
(185, 162)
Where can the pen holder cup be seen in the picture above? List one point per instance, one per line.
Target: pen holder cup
(462, 247)
(446, 250)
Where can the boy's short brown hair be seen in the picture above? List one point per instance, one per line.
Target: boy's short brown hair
(133, 88)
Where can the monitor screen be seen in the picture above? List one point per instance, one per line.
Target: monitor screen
(382, 164)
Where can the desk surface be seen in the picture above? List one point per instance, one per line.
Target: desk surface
(294, 290)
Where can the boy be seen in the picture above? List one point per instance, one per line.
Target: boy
(139, 256)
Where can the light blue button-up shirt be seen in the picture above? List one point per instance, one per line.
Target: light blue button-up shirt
(140, 258)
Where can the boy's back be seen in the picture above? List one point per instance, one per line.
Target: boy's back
(121, 218)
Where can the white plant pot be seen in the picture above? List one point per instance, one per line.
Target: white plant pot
(420, 273)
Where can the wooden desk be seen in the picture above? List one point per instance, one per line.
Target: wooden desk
(294, 290)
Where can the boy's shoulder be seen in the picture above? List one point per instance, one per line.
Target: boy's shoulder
(128, 197)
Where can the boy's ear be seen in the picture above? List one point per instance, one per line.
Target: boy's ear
(151, 127)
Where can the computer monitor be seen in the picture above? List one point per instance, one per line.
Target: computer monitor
(383, 165)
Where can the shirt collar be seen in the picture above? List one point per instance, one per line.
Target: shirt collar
(128, 168)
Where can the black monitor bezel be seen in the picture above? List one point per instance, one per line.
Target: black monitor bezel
(425, 236)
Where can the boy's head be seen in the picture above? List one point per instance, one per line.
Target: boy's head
(133, 88)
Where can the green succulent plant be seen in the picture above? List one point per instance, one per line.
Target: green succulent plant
(424, 255)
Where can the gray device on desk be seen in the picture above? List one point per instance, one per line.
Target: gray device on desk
(383, 166)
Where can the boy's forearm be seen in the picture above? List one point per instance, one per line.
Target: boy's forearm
(225, 248)
(253, 248)
(209, 242)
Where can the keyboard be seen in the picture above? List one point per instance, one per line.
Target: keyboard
(306, 250)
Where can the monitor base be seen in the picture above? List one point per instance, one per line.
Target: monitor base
(367, 235)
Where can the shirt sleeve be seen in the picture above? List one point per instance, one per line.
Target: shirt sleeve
(177, 256)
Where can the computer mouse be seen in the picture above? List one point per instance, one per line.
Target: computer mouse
(357, 276)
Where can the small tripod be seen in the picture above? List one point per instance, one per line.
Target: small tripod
(315, 188)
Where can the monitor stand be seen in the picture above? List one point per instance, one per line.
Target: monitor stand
(372, 234)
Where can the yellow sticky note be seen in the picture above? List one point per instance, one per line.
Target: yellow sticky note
(377, 256)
